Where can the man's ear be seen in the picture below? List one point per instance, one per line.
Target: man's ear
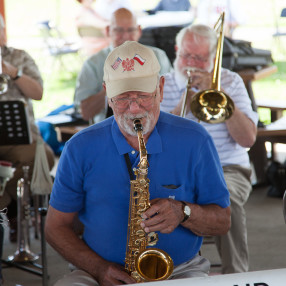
(109, 103)
(161, 84)
(176, 48)
(108, 99)
(139, 31)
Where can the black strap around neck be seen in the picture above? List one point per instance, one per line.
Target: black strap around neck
(129, 166)
(109, 112)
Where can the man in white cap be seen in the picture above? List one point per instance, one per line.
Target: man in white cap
(96, 166)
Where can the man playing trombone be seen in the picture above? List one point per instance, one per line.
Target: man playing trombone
(196, 49)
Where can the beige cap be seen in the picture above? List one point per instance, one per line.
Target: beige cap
(130, 67)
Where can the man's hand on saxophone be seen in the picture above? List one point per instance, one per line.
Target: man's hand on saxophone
(165, 215)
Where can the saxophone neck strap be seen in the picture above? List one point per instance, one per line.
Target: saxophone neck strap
(129, 166)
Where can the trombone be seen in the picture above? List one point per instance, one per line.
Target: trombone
(212, 105)
(186, 94)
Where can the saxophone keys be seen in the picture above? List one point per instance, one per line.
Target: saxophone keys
(152, 238)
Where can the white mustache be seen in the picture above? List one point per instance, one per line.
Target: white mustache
(137, 116)
(123, 121)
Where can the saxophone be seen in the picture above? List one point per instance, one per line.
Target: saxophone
(142, 263)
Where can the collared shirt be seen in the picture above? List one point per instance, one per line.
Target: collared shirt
(90, 78)
(230, 152)
(21, 60)
(92, 179)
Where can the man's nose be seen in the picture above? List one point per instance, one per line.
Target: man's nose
(191, 61)
(134, 106)
(127, 36)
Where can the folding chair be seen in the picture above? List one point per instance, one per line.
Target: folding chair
(56, 44)
(279, 33)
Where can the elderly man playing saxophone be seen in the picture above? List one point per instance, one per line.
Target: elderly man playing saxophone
(96, 168)
(196, 51)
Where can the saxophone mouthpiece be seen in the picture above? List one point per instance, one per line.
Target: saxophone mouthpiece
(137, 125)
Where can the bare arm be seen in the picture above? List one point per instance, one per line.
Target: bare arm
(204, 220)
(241, 128)
(60, 235)
(28, 86)
(208, 220)
(92, 105)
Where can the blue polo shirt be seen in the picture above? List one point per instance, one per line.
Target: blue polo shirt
(92, 179)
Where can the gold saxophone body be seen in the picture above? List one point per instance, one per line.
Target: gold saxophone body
(142, 263)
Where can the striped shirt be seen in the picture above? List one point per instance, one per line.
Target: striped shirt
(230, 152)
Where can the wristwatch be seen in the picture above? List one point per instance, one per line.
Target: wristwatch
(186, 210)
(19, 74)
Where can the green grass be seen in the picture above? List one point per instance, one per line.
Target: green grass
(57, 91)
(272, 87)
(59, 84)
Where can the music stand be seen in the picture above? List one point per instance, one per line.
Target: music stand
(15, 130)
(14, 123)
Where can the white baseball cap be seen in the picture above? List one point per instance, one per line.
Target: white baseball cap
(130, 67)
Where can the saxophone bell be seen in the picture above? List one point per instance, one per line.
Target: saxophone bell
(154, 264)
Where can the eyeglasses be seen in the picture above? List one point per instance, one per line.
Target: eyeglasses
(121, 31)
(195, 58)
(124, 102)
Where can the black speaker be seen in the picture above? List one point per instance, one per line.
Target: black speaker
(163, 38)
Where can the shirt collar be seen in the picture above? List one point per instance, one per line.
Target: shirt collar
(153, 146)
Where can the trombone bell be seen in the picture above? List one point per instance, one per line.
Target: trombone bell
(212, 106)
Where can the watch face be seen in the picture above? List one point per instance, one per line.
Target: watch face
(20, 73)
(187, 210)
